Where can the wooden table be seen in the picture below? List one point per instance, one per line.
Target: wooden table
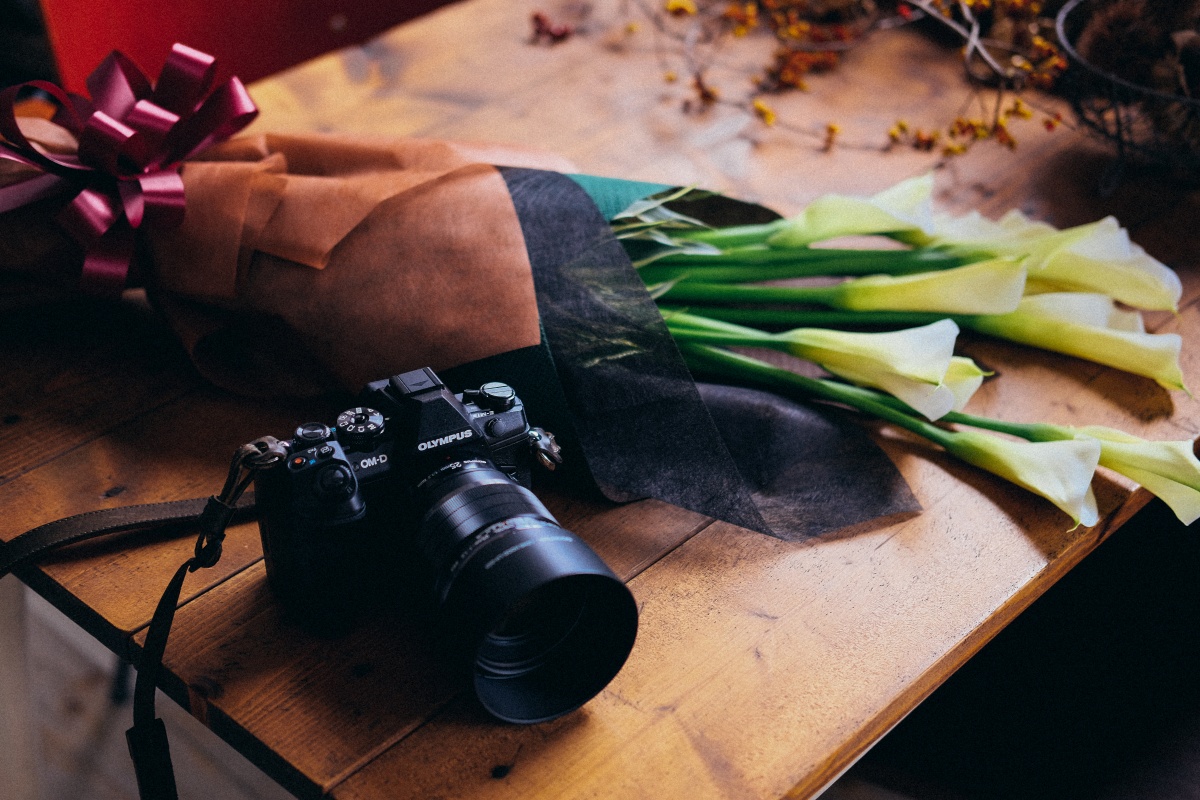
(762, 668)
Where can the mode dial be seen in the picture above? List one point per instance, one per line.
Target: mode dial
(359, 427)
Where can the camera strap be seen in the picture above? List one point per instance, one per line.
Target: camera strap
(147, 739)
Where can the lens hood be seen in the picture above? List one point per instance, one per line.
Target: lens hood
(548, 623)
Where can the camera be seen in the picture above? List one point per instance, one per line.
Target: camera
(421, 492)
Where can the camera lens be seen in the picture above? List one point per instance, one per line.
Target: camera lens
(547, 623)
(555, 649)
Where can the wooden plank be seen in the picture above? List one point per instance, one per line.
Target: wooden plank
(75, 367)
(599, 98)
(311, 710)
(764, 667)
(177, 451)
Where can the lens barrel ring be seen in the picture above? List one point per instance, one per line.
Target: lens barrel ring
(472, 501)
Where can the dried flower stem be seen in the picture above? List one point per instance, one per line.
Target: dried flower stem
(970, 34)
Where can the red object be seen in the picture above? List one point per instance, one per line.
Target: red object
(249, 38)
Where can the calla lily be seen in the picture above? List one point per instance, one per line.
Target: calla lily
(987, 287)
(1168, 470)
(963, 378)
(1059, 471)
(1089, 326)
(905, 207)
(1097, 257)
(909, 364)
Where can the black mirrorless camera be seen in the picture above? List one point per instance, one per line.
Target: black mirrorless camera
(422, 487)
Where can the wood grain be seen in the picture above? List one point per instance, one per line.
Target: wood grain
(179, 450)
(75, 368)
(751, 653)
(763, 668)
(311, 710)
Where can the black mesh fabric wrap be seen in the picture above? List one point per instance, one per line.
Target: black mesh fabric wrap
(610, 382)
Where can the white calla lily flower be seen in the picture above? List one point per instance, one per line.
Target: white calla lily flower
(1168, 470)
(963, 378)
(909, 364)
(1089, 326)
(905, 207)
(987, 287)
(1096, 257)
(1059, 471)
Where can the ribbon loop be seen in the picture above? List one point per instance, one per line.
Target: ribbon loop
(226, 111)
(184, 79)
(132, 137)
(103, 141)
(15, 138)
(152, 123)
(116, 85)
(157, 196)
(89, 215)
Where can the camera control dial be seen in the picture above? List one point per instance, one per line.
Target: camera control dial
(359, 427)
(497, 396)
(335, 483)
(312, 433)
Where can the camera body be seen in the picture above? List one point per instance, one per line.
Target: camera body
(341, 520)
(422, 493)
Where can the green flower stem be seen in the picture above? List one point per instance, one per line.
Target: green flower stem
(860, 398)
(1029, 431)
(698, 292)
(735, 236)
(1061, 472)
(725, 338)
(746, 265)
(751, 370)
(821, 319)
(1121, 350)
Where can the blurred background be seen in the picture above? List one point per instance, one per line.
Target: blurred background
(64, 40)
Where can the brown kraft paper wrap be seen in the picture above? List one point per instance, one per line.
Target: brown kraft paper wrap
(374, 258)
(307, 263)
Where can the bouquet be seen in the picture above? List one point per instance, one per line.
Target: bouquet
(1074, 291)
(305, 264)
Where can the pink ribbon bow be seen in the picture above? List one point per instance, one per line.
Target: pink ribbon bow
(133, 138)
